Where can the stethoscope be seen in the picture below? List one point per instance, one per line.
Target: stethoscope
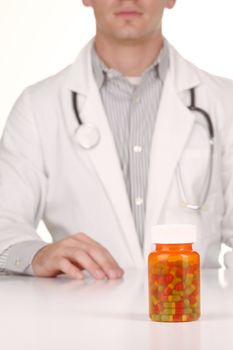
(88, 136)
(185, 202)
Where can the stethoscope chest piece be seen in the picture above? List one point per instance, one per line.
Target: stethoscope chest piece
(87, 136)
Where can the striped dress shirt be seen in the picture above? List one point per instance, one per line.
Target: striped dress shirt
(131, 106)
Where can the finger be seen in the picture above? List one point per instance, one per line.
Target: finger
(85, 238)
(100, 254)
(105, 260)
(68, 268)
(84, 260)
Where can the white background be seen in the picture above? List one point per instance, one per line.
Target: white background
(40, 37)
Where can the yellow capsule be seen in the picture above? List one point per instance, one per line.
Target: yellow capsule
(184, 317)
(174, 298)
(154, 300)
(177, 280)
(174, 258)
(190, 289)
(186, 302)
(173, 271)
(195, 307)
(174, 282)
(155, 317)
(185, 264)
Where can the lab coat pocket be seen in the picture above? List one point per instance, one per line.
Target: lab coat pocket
(194, 170)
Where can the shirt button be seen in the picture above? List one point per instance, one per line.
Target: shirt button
(138, 201)
(17, 262)
(137, 99)
(137, 149)
(110, 74)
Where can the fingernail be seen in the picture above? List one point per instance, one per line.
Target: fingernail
(121, 272)
(112, 274)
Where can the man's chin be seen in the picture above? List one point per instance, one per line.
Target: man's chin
(127, 36)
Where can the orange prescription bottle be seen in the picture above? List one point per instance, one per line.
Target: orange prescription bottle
(174, 274)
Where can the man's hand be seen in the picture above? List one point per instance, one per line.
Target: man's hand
(73, 254)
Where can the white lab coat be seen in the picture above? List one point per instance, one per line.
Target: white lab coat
(45, 174)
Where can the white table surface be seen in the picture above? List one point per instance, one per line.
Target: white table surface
(60, 314)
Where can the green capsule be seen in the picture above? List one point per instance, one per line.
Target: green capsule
(166, 318)
(188, 311)
(178, 292)
(195, 316)
(160, 269)
(160, 288)
(195, 307)
(169, 305)
(169, 312)
(155, 317)
(186, 302)
(189, 279)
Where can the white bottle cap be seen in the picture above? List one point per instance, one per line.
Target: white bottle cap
(173, 234)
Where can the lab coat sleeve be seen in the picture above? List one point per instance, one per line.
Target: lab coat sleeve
(227, 180)
(23, 183)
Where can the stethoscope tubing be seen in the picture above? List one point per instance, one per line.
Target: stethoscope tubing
(87, 135)
(75, 107)
(94, 138)
(180, 184)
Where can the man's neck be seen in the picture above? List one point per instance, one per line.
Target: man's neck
(131, 59)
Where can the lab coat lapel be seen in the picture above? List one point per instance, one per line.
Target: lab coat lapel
(103, 158)
(172, 130)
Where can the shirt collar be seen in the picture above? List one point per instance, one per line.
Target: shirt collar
(102, 72)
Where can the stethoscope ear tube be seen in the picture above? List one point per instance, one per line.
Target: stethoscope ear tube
(193, 108)
(75, 106)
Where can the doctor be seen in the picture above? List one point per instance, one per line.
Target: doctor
(110, 146)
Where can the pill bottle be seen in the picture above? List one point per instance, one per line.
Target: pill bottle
(174, 274)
